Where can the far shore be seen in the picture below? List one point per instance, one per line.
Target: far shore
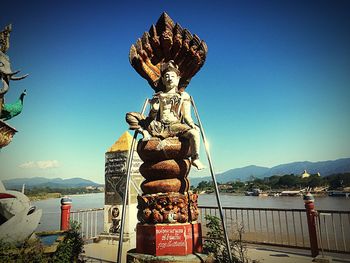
(43, 196)
(46, 196)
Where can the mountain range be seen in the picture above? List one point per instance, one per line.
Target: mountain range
(45, 182)
(324, 168)
(243, 174)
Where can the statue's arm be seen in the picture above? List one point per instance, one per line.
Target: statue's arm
(186, 109)
(154, 102)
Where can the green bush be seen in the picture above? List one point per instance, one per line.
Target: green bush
(32, 251)
(215, 243)
(72, 246)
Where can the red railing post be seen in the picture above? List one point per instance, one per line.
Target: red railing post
(311, 222)
(66, 204)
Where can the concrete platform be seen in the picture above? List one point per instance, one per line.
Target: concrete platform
(274, 254)
(106, 251)
(132, 257)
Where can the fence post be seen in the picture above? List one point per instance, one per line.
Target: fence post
(311, 222)
(66, 204)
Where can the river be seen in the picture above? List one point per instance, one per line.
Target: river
(51, 207)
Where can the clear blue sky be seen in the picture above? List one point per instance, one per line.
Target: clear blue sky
(275, 87)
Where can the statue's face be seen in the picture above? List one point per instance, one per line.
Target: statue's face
(170, 80)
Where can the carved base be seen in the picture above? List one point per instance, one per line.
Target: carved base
(167, 208)
(164, 239)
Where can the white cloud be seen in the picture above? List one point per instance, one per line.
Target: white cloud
(27, 165)
(40, 164)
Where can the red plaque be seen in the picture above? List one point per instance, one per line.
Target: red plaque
(169, 239)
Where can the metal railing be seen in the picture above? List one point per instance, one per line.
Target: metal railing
(333, 230)
(285, 227)
(273, 226)
(90, 220)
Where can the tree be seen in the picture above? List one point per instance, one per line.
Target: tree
(273, 180)
(315, 181)
(237, 185)
(338, 180)
(288, 180)
(204, 185)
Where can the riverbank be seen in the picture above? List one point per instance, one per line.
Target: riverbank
(38, 194)
(262, 194)
(43, 196)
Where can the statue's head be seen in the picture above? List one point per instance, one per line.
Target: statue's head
(170, 75)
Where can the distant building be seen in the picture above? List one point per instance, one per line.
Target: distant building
(305, 174)
(291, 193)
(225, 187)
(115, 182)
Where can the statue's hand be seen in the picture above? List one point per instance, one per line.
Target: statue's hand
(146, 135)
(155, 106)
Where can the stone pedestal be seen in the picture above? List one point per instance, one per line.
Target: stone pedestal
(167, 211)
(169, 239)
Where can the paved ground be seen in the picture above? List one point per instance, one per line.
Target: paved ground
(286, 255)
(106, 251)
